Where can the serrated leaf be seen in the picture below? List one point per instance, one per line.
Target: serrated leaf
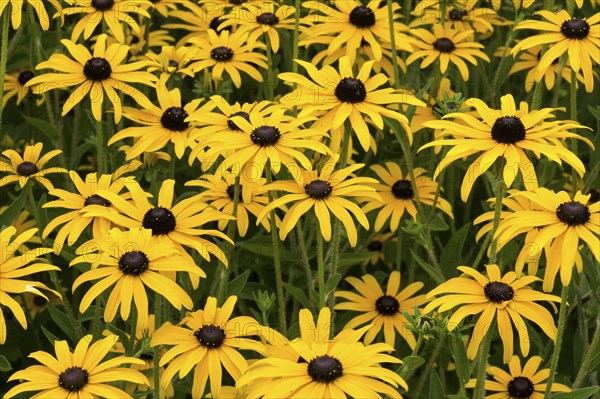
(332, 282)
(235, 286)
(298, 294)
(583, 393)
(43, 127)
(14, 209)
(4, 364)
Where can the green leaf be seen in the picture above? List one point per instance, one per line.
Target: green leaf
(43, 127)
(235, 286)
(4, 364)
(457, 347)
(582, 393)
(298, 294)
(436, 388)
(453, 251)
(429, 269)
(123, 337)
(438, 223)
(456, 397)
(10, 214)
(595, 111)
(51, 337)
(63, 322)
(354, 258)
(332, 282)
(413, 362)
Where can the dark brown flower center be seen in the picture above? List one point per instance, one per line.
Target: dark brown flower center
(267, 18)
(520, 387)
(231, 192)
(221, 53)
(174, 119)
(375, 245)
(325, 369)
(27, 169)
(147, 356)
(237, 2)
(97, 69)
(318, 189)
(133, 263)
(508, 130)
(498, 292)
(575, 28)
(362, 17)
(573, 213)
(210, 336)
(444, 45)
(351, 90)
(39, 300)
(173, 64)
(73, 379)
(103, 5)
(457, 15)
(402, 189)
(387, 305)
(160, 220)
(265, 136)
(95, 199)
(232, 124)
(25, 77)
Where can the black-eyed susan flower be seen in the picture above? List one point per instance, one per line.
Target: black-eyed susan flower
(14, 266)
(325, 368)
(258, 19)
(562, 222)
(165, 7)
(579, 38)
(398, 195)
(178, 225)
(376, 246)
(220, 191)
(448, 46)
(326, 192)
(171, 61)
(208, 340)
(507, 132)
(529, 59)
(382, 310)
(228, 52)
(505, 299)
(210, 125)
(528, 381)
(77, 374)
(16, 11)
(37, 305)
(100, 75)
(29, 165)
(130, 261)
(339, 96)
(14, 85)
(75, 222)
(277, 139)
(197, 20)
(22, 223)
(160, 125)
(113, 12)
(137, 40)
(350, 23)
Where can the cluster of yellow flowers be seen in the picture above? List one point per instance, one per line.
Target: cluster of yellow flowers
(288, 155)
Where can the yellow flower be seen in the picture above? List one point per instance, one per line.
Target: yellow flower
(209, 340)
(14, 85)
(16, 11)
(13, 267)
(80, 373)
(28, 166)
(97, 75)
(170, 61)
(197, 20)
(382, 310)
(506, 299)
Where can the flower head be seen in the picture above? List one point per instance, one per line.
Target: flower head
(29, 165)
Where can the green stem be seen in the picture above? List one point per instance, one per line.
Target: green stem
(558, 342)
(231, 229)
(393, 43)
(482, 249)
(320, 268)
(573, 115)
(428, 367)
(276, 260)
(270, 89)
(53, 275)
(156, 349)
(3, 56)
(305, 260)
(583, 326)
(100, 146)
(499, 192)
(398, 249)
(96, 330)
(482, 356)
(590, 354)
(296, 35)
